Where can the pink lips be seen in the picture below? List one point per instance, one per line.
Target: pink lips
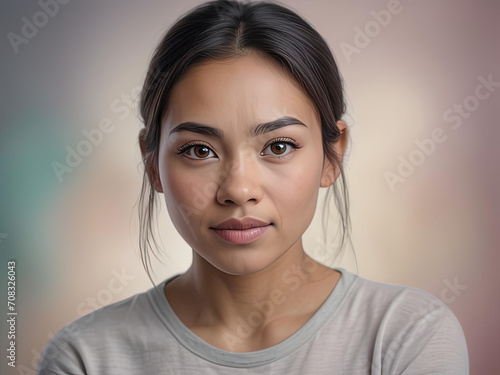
(241, 231)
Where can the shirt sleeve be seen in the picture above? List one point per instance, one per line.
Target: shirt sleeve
(433, 342)
(60, 357)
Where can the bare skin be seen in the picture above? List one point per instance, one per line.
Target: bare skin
(246, 326)
(248, 297)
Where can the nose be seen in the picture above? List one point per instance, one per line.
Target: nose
(241, 184)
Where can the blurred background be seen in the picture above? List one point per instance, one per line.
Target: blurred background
(423, 88)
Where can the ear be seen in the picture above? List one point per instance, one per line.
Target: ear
(330, 170)
(149, 165)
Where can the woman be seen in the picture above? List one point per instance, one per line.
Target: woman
(242, 108)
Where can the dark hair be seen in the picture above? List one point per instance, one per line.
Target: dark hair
(225, 29)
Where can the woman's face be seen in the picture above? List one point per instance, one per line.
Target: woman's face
(216, 168)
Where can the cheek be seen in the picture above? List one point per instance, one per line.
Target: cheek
(178, 185)
(297, 186)
(300, 191)
(296, 193)
(186, 193)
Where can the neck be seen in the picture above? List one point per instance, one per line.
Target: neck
(287, 287)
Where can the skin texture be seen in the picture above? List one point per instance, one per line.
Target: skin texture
(242, 298)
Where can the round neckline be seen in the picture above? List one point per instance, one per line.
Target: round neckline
(189, 340)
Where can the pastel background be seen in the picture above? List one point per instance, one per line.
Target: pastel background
(75, 241)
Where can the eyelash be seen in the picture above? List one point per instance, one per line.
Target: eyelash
(285, 140)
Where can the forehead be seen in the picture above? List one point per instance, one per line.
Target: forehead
(244, 90)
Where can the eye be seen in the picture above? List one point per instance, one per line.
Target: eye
(195, 150)
(281, 147)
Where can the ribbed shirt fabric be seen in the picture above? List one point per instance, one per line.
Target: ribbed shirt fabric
(363, 327)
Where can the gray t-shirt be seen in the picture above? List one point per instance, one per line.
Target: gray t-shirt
(363, 327)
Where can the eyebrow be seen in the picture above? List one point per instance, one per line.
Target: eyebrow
(259, 129)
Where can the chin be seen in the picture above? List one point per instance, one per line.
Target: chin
(246, 262)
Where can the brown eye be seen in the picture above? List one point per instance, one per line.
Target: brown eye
(201, 151)
(196, 151)
(281, 148)
(278, 148)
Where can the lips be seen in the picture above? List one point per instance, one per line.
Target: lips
(242, 231)
(239, 224)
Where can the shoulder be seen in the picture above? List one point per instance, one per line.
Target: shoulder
(415, 330)
(391, 302)
(397, 299)
(89, 335)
